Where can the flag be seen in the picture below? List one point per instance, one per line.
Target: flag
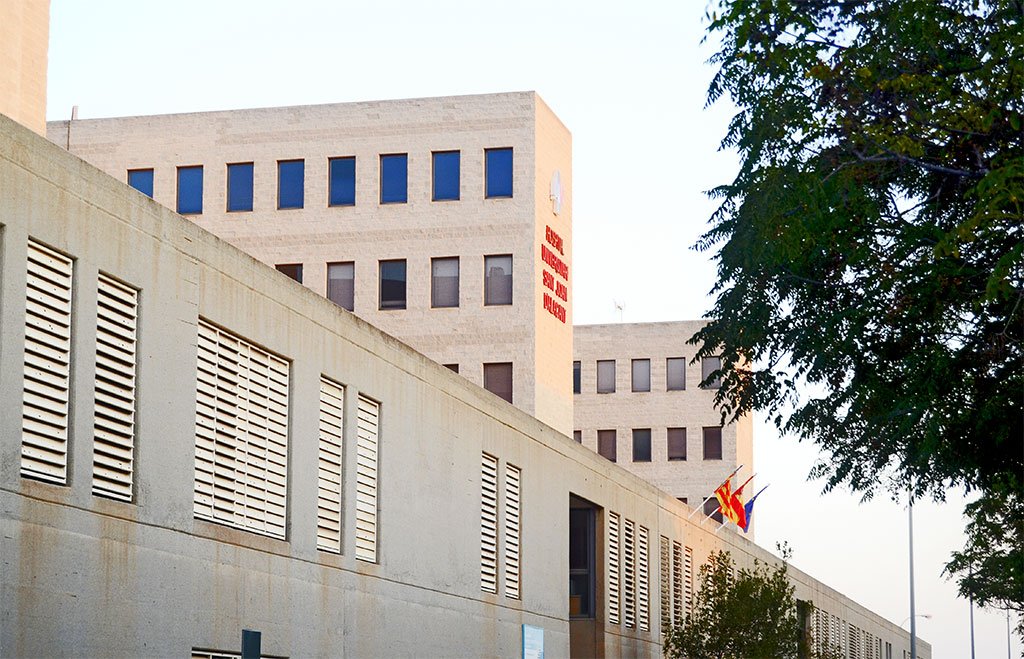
(730, 504)
(749, 509)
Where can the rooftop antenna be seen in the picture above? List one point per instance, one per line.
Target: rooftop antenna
(74, 117)
(620, 307)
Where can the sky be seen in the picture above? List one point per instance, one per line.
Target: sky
(629, 81)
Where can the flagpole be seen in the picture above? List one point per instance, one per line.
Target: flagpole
(913, 618)
(701, 507)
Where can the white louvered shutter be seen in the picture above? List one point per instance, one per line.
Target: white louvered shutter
(688, 580)
(643, 591)
(665, 581)
(629, 572)
(328, 521)
(678, 617)
(367, 443)
(512, 530)
(489, 523)
(47, 364)
(114, 421)
(241, 433)
(613, 568)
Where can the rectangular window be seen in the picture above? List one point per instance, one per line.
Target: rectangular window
(293, 270)
(329, 466)
(454, 368)
(341, 188)
(489, 524)
(392, 284)
(641, 375)
(341, 284)
(709, 365)
(711, 508)
(114, 420)
(498, 379)
(444, 282)
(291, 183)
(44, 444)
(643, 587)
(606, 376)
(240, 187)
(367, 462)
(498, 171)
(190, 190)
(629, 572)
(512, 526)
(241, 469)
(642, 445)
(446, 175)
(713, 443)
(141, 180)
(677, 443)
(394, 178)
(613, 568)
(498, 279)
(576, 377)
(577, 436)
(675, 374)
(582, 572)
(606, 444)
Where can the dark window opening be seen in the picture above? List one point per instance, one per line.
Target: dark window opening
(642, 445)
(606, 444)
(677, 443)
(582, 572)
(606, 376)
(498, 172)
(190, 190)
(641, 375)
(713, 443)
(675, 374)
(444, 282)
(709, 365)
(341, 284)
(291, 183)
(711, 508)
(576, 377)
(446, 175)
(498, 280)
(392, 284)
(394, 178)
(498, 379)
(293, 270)
(141, 180)
(240, 187)
(342, 182)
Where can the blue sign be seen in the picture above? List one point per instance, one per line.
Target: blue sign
(533, 642)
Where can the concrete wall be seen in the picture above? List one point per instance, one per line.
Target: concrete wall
(315, 235)
(84, 575)
(24, 40)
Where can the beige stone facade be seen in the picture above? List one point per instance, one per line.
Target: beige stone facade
(24, 39)
(529, 333)
(658, 409)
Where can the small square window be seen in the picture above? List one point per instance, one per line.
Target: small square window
(342, 183)
(394, 178)
(498, 379)
(392, 284)
(454, 368)
(446, 175)
(677, 443)
(711, 508)
(498, 280)
(240, 187)
(642, 445)
(190, 190)
(675, 374)
(606, 376)
(291, 183)
(713, 443)
(444, 282)
(341, 284)
(141, 180)
(498, 172)
(709, 365)
(641, 375)
(577, 436)
(606, 444)
(293, 270)
(576, 377)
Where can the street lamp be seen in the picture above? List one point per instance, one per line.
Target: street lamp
(926, 616)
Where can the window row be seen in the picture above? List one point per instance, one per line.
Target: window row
(393, 279)
(640, 374)
(500, 530)
(607, 443)
(446, 181)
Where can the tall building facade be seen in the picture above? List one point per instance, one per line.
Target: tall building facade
(446, 222)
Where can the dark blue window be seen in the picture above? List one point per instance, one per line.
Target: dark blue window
(291, 180)
(342, 186)
(190, 190)
(141, 180)
(394, 178)
(240, 187)
(499, 172)
(392, 284)
(446, 175)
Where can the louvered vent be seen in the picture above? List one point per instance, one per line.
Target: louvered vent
(367, 442)
(241, 433)
(489, 523)
(47, 364)
(114, 424)
(328, 520)
(688, 580)
(643, 582)
(512, 523)
(665, 582)
(677, 584)
(613, 568)
(629, 572)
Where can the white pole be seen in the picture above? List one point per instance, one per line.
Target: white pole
(913, 616)
(971, 600)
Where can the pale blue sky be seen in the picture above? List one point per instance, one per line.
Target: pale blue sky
(628, 80)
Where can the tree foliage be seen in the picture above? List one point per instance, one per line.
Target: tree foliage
(751, 615)
(870, 248)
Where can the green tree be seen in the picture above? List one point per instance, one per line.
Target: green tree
(870, 247)
(751, 615)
